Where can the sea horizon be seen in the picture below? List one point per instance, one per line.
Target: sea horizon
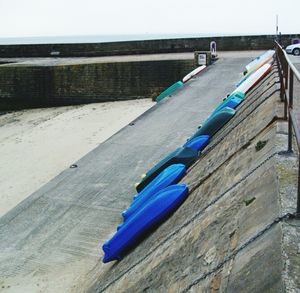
(68, 39)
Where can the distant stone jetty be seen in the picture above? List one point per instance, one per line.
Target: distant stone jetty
(224, 43)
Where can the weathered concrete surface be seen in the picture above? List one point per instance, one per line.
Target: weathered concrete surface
(213, 242)
(226, 237)
(51, 241)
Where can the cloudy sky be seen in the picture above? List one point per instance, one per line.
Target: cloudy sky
(21, 18)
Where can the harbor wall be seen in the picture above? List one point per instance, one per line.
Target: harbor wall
(42, 86)
(224, 43)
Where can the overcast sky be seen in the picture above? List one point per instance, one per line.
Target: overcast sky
(21, 18)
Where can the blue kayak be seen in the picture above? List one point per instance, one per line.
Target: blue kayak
(147, 218)
(198, 143)
(182, 155)
(231, 101)
(214, 123)
(169, 176)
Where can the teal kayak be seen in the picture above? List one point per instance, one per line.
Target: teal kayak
(214, 123)
(170, 90)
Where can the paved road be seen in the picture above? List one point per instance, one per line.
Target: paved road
(53, 237)
(294, 59)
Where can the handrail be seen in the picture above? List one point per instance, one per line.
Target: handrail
(287, 72)
(291, 65)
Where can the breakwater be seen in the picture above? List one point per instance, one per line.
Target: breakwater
(225, 43)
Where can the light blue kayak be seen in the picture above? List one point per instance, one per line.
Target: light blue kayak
(169, 176)
(231, 102)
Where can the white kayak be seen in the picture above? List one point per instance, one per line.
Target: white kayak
(253, 79)
(268, 61)
(259, 61)
(193, 73)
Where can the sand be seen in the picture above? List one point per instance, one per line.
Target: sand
(36, 145)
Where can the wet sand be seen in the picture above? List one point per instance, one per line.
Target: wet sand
(36, 145)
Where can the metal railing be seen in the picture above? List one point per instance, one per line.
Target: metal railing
(287, 74)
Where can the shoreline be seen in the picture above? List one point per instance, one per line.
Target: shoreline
(36, 145)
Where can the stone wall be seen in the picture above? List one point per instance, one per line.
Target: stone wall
(259, 42)
(39, 86)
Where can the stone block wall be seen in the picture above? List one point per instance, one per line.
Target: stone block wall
(40, 86)
(22, 87)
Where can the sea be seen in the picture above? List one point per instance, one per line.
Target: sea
(99, 38)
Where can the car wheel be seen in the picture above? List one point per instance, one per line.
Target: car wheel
(296, 52)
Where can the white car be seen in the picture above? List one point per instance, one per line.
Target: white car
(293, 49)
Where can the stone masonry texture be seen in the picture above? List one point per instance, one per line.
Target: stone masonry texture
(25, 86)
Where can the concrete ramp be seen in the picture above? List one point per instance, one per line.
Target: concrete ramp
(51, 241)
(231, 234)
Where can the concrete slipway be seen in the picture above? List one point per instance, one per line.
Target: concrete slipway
(51, 241)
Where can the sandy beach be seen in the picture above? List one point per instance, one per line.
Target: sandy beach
(36, 145)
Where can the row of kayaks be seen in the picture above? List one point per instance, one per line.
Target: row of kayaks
(257, 66)
(159, 193)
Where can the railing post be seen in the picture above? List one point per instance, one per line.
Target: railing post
(298, 193)
(286, 72)
(291, 88)
(282, 86)
(290, 135)
(291, 100)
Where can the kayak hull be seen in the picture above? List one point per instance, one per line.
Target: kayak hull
(169, 176)
(232, 102)
(213, 124)
(198, 143)
(193, 73)
(259, 61)
(152, 214)
(253, 79)
(170, 90)
(182, 155)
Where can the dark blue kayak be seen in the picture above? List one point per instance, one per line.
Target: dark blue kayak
(198, 143)
(153, 213)
(182, 155)
(214, 123)
(169, 176)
